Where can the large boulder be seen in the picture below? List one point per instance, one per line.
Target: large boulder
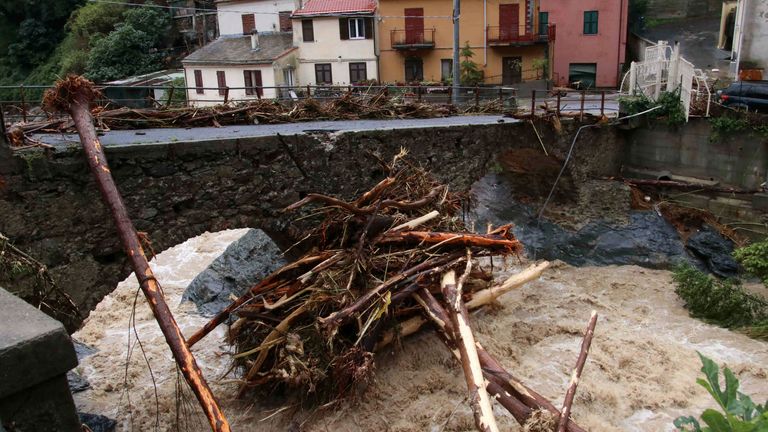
(715, 250)
(243, 264)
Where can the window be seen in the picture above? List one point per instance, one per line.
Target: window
(590, 22)
(543, 23)
(446, 69)
(357, 72)
(253, 83)
(199, 82)
(582, 75)
(356, 28)
(323, 73)
(222, 79)
(285, 21)
(249, 23)
(307, 30)
(414, 69)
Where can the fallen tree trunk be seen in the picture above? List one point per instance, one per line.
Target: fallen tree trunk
(576, 376)
(74, 95)
(670, 184)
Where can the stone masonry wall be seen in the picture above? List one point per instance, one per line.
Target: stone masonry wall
(51, 208)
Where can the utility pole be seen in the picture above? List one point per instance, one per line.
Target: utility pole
(456, 66)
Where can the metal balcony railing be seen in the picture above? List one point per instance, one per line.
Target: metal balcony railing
(520, 35)
(413, 39)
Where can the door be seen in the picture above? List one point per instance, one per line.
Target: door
(414, 69)
(512, 71)
(414, 26)
(509, 21)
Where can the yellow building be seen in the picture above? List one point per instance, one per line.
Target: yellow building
(506, 36)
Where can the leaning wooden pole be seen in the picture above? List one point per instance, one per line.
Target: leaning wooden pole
(576, 376)
(75, 94)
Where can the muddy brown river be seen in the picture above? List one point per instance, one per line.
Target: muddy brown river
(640, 375)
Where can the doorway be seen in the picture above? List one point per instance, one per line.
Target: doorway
(512, 70)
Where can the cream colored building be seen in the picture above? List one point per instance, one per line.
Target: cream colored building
(241, 68)
(336, 42)
(241, 17)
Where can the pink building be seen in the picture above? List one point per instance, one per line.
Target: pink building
(591, 40)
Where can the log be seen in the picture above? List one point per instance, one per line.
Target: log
(465, 340)
(576, 375)
(517, 280)
(686, 186)
(492, 369)
(504, 243)
(75, 94)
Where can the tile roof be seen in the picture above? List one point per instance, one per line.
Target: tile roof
(237, 50)
(336, 7)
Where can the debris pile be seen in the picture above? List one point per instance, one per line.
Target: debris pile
(349, 106)
(380, 267)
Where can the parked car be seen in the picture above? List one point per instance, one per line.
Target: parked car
(750, 95)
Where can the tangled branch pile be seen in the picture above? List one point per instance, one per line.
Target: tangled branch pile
(380, 268)
(350, 106)
(19, 269)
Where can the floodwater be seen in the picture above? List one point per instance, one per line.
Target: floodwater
(640, 374)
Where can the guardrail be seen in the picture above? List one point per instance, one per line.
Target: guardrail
(22, 103)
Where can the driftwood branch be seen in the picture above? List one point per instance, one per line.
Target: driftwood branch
(74, 95)
(465, 340)
(576, 375)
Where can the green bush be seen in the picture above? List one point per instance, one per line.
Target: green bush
(738, 413)
(754, 259)
(723, 302)
(671, 107)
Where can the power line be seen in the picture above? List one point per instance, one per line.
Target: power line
(196, 9)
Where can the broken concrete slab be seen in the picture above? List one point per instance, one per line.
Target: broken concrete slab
(243, 264)
(35, 355)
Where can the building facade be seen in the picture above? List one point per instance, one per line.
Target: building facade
(336, 42)
(242, 17)
(240, 68)
(509, 40)
(745, 36)
(591, 41)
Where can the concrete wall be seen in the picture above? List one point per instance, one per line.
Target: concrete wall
(476, 15)
(230, 11)
(738, 159)
(755, 33)
(328, 47)
(607, 48)
(52, 209)
(664, 9)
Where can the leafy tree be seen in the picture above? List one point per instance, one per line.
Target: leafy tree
(94, 20)
(155, 23)
(471, 75)
(124, 52)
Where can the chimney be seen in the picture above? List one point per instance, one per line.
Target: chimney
(255, 40)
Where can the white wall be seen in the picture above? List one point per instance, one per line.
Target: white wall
(267, 20)
(756, 33)
(234, 78)
(329, 48)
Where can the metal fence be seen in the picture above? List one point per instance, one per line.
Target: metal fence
(22, 103)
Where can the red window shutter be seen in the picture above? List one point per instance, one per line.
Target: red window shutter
(199, 81)
(248, 82)
(258, 83)
(249, 23)
(222, 78)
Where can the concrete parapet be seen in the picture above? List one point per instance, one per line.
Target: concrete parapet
(35, 355)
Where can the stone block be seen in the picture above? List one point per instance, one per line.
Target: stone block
(35, 355)
(760, 201)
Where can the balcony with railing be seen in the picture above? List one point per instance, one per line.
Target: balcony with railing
(413, 39)
(519, 36)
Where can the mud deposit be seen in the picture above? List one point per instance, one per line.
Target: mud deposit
(641, 373)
